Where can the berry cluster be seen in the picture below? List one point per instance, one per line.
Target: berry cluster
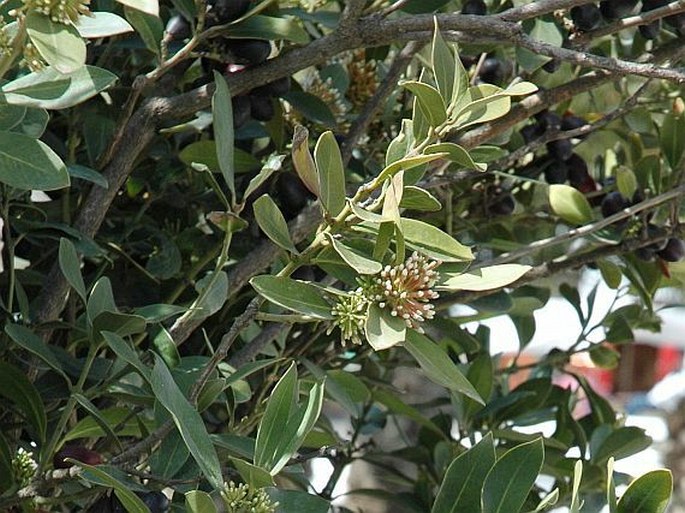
(232, 56)
(587, 17)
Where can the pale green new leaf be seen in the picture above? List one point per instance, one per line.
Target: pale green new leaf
(294, 295)
(570, 204)
(222, 111)
(485, 278)
(430, 102)
(60, 45)
(102, 24)
(29, 164)
(382, 329)
(331, 173)
(273, 224)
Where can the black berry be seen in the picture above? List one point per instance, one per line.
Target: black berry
(250, 51)
(614, 9)
(177, 28)
(278, 87)
(531, 132)
(551, 66)
(474, 7)
(560, 150)
(548, 120)
(503, 205)
(292, 195)
(261, 108)
(556, 172)
(156, 501)
(224, 11)
(571, 122)
(674, 250)
(492, 71)
(612, 203)
(241, 110)
(586, 17)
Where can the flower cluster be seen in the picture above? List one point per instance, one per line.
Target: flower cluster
(243, 498)
(61, 11)
(405, 289)
(350, 315)
(363, 79)
(24, 467)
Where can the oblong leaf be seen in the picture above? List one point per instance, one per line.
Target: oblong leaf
(485, 278)
(60, 45)
(456, 154)
(15, 386)
(430, 101)
(438, 366)
(294, 295)
(461, 487)
(570, 204)
(270, 28)
(222, 111)
(273, 224)
(128, 499)
(355, 258)
(434, 242)
(512, 477)
(649, 493)
(30, 164)
(146, 6)
(102, 24)
(188, 422)
(149, 27)
(303, 160)
(382, 330)
(70, 266)
(28, 340)
(198, 501)
(331, 173)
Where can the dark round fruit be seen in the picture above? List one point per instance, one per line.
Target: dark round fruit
(614, 9)
(291, 194)
(78, 453)
(503, 205)
(278, 87)
(650, 31)
(492, 71)
(556, 172)
(224, 11)
(477, 7)
(250, 51)
(577, 171)
(571, 122)
(177, 28)
(548, 120)
(561, 149)
(645, 254)
(677, 22)
(262, 108)
(586, 17)
(612, 203)
(674, 250)
(531, 132)
(156, 501)
(241, 110)
(551, 66)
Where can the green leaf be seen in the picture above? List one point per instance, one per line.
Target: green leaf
(279, 407)
(148, 26)
(391, 201)
(460, 490)
(621, 443)
(485, 278)
(204, 152)
(253, 475)
(489, 102)
(438, 366)
(97, 417)
(222, 111)
(604, 357)
(430, 102)
(433, 242)
(198, 501)
(6, 467)
(122, 350)
(293, 295)
(87, 174)
(401, 145)
(443, 64)
(611, 273)
(15, 386)
(382, 329)
(521, 89)
(212, 294)
(119, 323)
(303, 160)
(406, 163)
(28, 340)
(672, 138)
(126, 425)
(29, 164)
(512, 477)
(355, 258)
(34, 123)
(70, 265)
(100, 477)
(60, 45)
(11, 116)
(542, 30)
(625, 181)
(576, 502)
(271, 221)
(290, 501)
(270, 28)
(311, 107)
(102, 24)
(101, 299)
(456, 154)
(570, 204)
(150, 7)
(171, 456)
(272, 165)
(166, 347)
(50, 89)
(649, 493)
(188, 422)
(416, 198)
(331, 173)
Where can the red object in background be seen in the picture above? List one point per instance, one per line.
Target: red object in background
(669, 359)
